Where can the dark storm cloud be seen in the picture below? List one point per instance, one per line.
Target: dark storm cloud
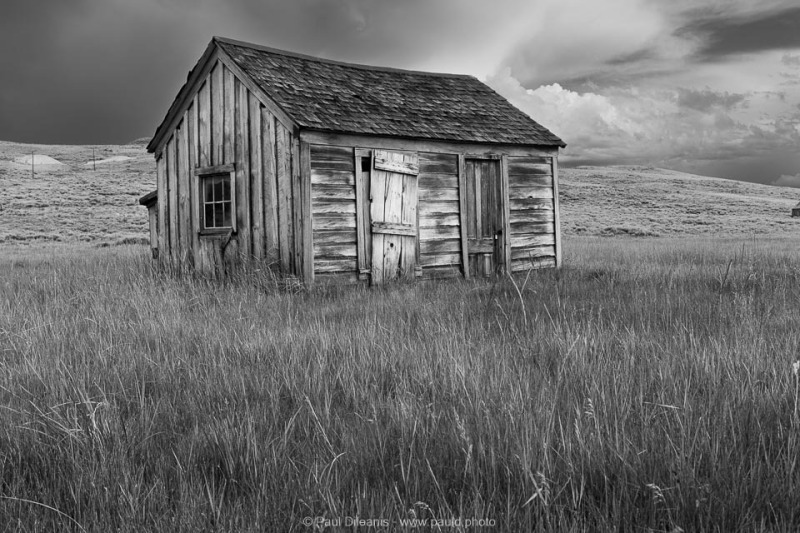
(723, 36)
(74, 72)
(105, 71)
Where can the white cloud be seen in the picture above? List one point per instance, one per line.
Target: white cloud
(648, 125)
(574, 38)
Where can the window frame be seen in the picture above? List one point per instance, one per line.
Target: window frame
(202, 174)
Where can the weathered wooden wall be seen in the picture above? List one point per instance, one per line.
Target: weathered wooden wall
(333, 207)
(439, 215)
(532, 212)
(341, 242)
(224, 122)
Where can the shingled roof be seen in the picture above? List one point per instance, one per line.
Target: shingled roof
(333, 96)
(340, 97)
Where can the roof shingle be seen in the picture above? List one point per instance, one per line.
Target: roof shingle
(340, 97)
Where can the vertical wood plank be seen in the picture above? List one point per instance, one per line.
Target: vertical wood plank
(556, 214)
(378, 193)
(506, 213)
(242, 171)
(270, 199)
(306, 214)
(393, 244)
(256, 179)
(229, 118)
(362, 225)
(204, 126)
(409, 249)
(217, 115)
(172, 180)
(462, 206)
(284, 176)
(297, 208)
(478, 201)
(194, 191)
(184, 207)
(163, 207)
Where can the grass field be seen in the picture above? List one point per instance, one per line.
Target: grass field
(646, 386)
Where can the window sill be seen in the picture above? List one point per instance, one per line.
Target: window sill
(216, 232)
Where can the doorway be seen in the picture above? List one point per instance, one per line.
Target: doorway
(485, 239)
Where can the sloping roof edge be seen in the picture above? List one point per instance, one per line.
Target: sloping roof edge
(191, 79)
(149, 198)
(362, 66)
(214, 49)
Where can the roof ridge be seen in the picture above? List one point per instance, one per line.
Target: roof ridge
(253, 46)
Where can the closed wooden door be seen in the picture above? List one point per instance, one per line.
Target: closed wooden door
(393, 215)
(485, 239)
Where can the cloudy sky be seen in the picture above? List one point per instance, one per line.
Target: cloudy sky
(706, 86)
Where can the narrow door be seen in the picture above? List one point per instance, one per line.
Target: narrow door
(393, 215)
(485, 239)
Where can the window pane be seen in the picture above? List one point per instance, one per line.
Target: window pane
(208, 222)
(226, 188)
(217, 190)
(209, 191)
(219, 215)
(226, 221)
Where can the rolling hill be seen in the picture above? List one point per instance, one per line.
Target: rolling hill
(69, 199)
(647, 201)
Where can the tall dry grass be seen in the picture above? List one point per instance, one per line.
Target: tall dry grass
(647, 385)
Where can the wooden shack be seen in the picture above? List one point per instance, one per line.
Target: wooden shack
(796, 210)
(323, 169)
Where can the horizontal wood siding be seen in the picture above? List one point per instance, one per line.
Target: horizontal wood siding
(439, 215)
(333, 210)
(531, 213)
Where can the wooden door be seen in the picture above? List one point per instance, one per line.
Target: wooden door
(485, 239)
(393, 215)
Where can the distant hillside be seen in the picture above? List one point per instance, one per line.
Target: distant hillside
(71, 200)
(646, 201)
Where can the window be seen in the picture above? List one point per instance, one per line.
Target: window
(217, 202)
(217, 199)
